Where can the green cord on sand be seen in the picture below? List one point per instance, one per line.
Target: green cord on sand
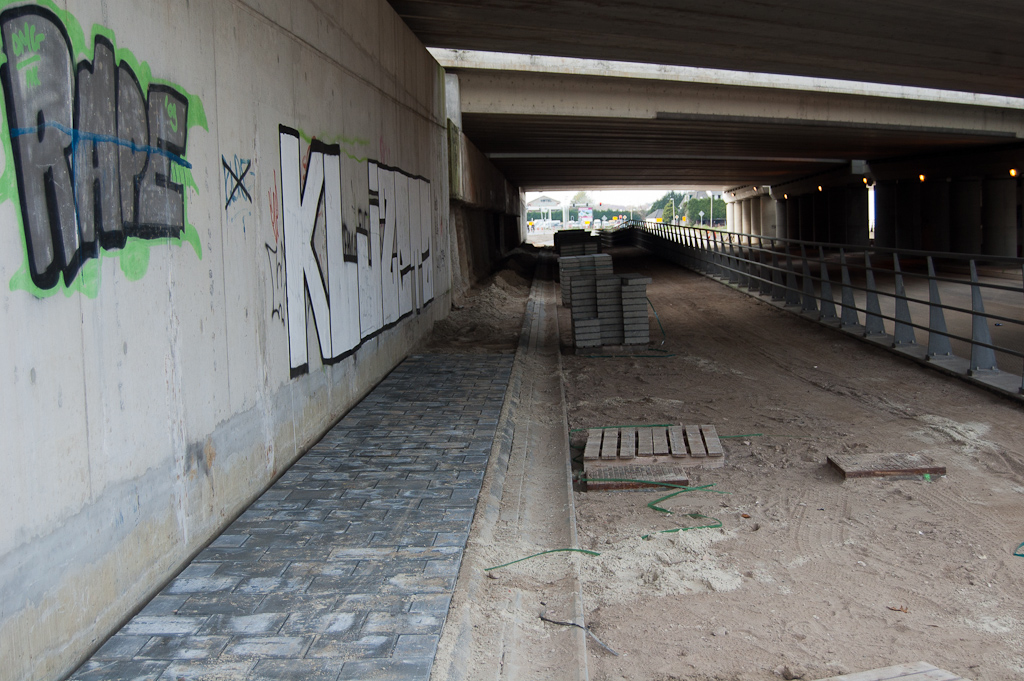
(520, 560)
(653, 505)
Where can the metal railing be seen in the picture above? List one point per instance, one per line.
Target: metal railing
(934, 307)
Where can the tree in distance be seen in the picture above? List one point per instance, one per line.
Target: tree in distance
(582, 198)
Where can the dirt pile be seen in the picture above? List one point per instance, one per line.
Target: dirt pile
(489, 317)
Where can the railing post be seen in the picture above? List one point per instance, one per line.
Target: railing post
(828, 305)
(938, 340)
(903, 331)
(810, 303)
(850, 315)
(735, 276)
(983, 358)
(873, 324)
(713, 269)
(778, 289)
(792, 292)
(763, 271)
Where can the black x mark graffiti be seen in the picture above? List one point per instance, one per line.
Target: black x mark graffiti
(238, 181)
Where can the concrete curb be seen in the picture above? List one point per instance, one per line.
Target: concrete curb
(487, 511)
(470, 580)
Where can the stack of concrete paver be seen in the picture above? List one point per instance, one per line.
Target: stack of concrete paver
(610, 238)
(586, 325)
(609, 309)
(635, 325)
(584, 265)
(574, 242)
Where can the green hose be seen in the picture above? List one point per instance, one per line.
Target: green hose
(653, 505)
(542, 553)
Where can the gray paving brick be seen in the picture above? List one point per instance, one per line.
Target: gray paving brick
(267, 568)
(183, 647)
(234, 625)
(129, 669)
(323, 622)
(208, 670)
(119, 646)
(274, 585)
(344, 647)
(163, 604)
(168, 625)
(431, 603)
(416, 645)
(387, 669)
(297, 670)
(197, 585)
(293, 602)
(403, 623)
(221, 604)
(268, 646)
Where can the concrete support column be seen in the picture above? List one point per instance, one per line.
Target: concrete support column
(999, 216)
(885, 214)
(768, 224)
(908, 214)
(755, 215)
(857, 227)
(836, 207)
(745, 217)
(792, 218)
(935, 215)
(730, 219)
(781, 206)
(965, 216)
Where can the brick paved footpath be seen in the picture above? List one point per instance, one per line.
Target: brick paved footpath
(345, 567)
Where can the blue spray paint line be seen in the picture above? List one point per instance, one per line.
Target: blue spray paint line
(78, 136)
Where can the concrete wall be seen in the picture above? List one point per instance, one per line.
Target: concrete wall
(192, 282)
(487, 211)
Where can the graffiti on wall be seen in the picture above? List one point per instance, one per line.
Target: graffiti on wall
(275, 257)
(236, 176)
(359, 279)
(98, 147)
(239, 183)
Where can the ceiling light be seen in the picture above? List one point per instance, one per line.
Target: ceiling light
(921, 177)
(785, 196)
(819, 188)
(1013, 172)
(865, 180)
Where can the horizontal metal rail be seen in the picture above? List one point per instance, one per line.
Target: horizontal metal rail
(885, 296)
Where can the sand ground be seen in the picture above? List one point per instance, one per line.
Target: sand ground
(809, 575)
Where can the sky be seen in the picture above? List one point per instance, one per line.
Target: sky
(619, 197)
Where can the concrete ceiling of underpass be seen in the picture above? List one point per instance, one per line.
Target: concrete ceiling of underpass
(966, 45)
(552, 152)
(571, 126)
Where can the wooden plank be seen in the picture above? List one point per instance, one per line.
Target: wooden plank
(916, 671)
(593, 450)
(627, 447)
(610, 445)
(645, 441)
(711, 441)
(660, 436)
(676, 441)
(882, 465)
(694, 442)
